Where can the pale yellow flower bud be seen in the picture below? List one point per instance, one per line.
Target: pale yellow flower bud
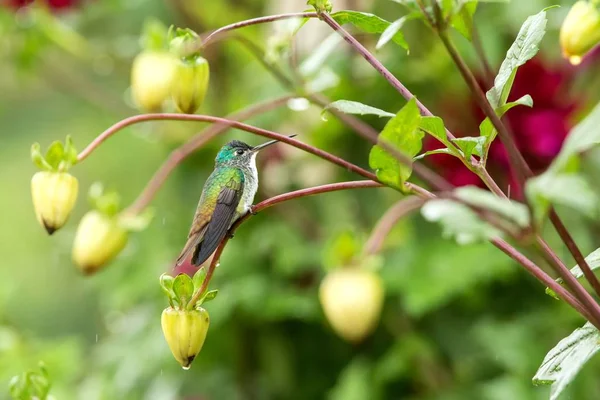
(190, 84)
(54, 195)
(185, 332)
(352, 300)
(580, 31)
(152, 75)
(98, 240)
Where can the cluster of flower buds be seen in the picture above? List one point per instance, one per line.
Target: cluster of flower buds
(580, 31)
(167, 70)
(185, 323)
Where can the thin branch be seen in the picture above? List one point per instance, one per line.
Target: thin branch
(234, 124)
(399, 210)
(488, 71)
(193, 144)
(261, 20)
(332, 187)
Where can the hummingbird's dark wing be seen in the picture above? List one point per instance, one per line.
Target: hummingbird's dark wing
(222, 218)
(220, 186)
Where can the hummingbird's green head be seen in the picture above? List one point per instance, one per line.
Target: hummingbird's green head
(239, 154)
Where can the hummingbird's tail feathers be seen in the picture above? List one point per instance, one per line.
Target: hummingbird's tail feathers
(221, 220)
(190, 246)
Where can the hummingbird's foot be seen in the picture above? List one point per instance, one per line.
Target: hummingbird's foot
(231, 235)
(251, 210)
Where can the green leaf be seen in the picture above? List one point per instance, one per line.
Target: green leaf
(486, 129)
(393, 29)
(154, 36)
(55, 154)
(354, 107)
(462, 17)
(108, 202)
(511, 210)
(38, 159)
(569, 190)
(525, 46)
(210, 295)
(432, 152)
(458, 221)
(434, 126)
(593, 260)
(470, 145)
(404, 134)
(166, 285)
(369, 23)
(136, 222)
(318, 57)
(341, 250)
(562, 364)
(582, 137)
(198, 278)
(70, 152)
(183, 288)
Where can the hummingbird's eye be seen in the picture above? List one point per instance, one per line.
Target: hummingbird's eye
(239, 152)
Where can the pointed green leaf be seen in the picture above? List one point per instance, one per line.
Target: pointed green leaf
(562, 364)
(55, 154)
(198, 278)
(593, 260)
(393, 28)
(486, 129)
(38, 159)
(210, 295)
(354, 107)
(509, 209)
(582, 137)
(166, 285)
(432, 152)
(470, 145)
(404, 134)
(569, 190)
(317, 58)
(135, 222)
(70, 152)
(183, 288)
(154, 36)
(458, 221)
(341, 250)
(462, 17)
(525, 46)
(369, 23)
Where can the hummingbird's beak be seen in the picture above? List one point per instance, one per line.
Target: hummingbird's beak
(256, 149)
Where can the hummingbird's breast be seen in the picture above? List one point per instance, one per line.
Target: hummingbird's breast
(250, 189)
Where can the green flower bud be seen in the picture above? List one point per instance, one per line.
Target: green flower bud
(98, 240)
(152, 75)
(190, 84)
(580, 31)
(185, 332)
(352, 300)
(54, 195)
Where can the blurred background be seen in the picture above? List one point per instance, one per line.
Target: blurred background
(458, 322)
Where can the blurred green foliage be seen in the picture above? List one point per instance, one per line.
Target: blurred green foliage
(458, 323)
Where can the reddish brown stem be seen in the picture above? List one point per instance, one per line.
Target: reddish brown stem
(332, 187)
(234, 124)
(399, 210)
(254, 21)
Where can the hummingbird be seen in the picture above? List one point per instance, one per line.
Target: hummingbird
(227, 195)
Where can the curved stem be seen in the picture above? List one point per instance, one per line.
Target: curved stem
(233, 124)
(385, 224)
(193, 144)
(332, 187)
(261, 20)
